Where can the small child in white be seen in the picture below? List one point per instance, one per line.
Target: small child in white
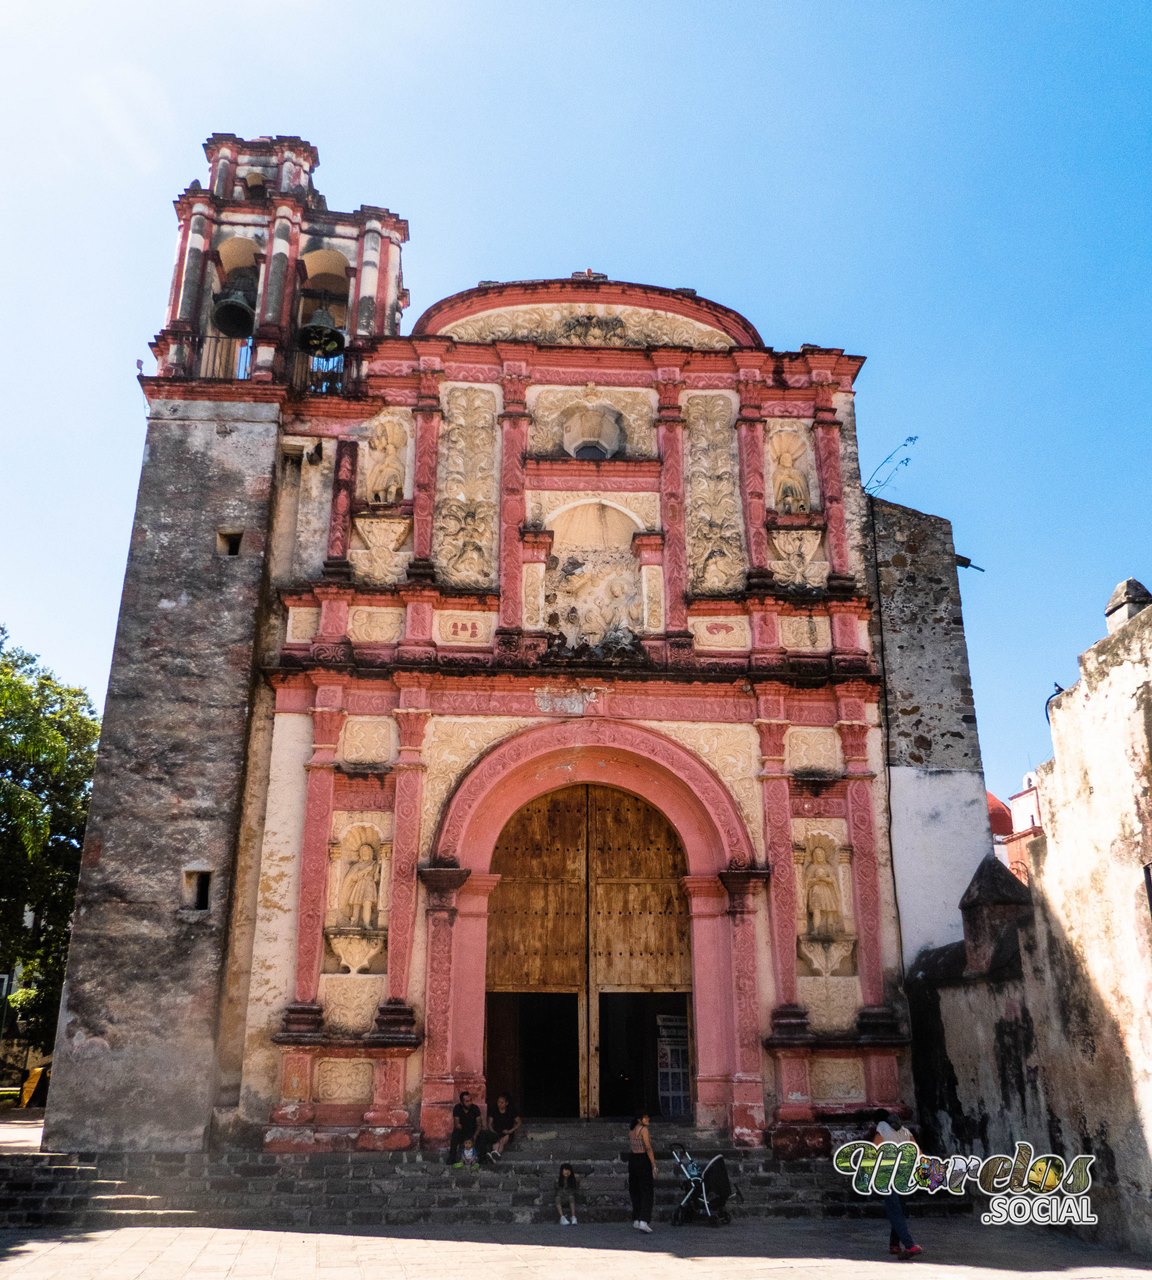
(469, 1157)
(567, 1187)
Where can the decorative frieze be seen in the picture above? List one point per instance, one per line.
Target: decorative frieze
(465, 532)
(717, 559)
(588, 324)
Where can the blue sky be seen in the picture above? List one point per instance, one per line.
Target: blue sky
(958, 191)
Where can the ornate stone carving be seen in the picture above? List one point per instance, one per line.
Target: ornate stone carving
(832, 1002)
(356, 949)
(451, 745)
(381, 548)
(347, 1080)
(384, 458)
(805, 633)
(791, 493)
(721, 633)
(733, 751)
(302, 624)
(465, 628)
(543, 505)
(559, 420)
(533, 596)
(717, 560)
(377, 828)
(465, 524)
(652, 580)
(375, 626)
(796, 564)
(813, 751)
(578, 324)
(360, 889)
(350, 1001)
(837, 1080)
(369, 740)
(357, 900)
(825, 919)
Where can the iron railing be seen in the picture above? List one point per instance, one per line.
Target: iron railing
(225, 359)
(318, 375)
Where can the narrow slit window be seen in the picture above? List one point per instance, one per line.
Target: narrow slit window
(228, 542)
(197, 890)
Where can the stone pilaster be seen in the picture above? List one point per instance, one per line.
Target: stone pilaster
(437, 1095)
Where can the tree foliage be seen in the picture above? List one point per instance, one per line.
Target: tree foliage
(48, 734)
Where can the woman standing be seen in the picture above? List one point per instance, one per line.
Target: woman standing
(641, 1172)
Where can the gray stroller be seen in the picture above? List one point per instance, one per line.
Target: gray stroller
(707, 1192)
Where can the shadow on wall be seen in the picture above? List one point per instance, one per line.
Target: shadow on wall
(1013, 1042)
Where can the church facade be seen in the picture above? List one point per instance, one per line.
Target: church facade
(534, 702)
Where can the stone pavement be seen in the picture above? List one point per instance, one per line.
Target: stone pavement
(21, 1130)
(801, 1249)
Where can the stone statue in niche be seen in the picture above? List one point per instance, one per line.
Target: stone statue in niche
(360, 890)
(387, 446)
(822, 896)
(789, 484)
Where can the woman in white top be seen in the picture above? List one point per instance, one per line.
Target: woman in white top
(889, 1127)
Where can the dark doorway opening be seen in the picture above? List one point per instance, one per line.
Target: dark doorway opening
(644, 1063)
(533, 1051)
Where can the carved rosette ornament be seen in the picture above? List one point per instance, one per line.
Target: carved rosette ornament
(465, 522)
(717, 559)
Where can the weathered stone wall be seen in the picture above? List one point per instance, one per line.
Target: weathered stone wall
(135, 1063)
(937, 805)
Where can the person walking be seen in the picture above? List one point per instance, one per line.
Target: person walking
(641, 1173)
(889, 1127)
(567, 1188)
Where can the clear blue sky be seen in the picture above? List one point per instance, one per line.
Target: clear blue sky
(958, 191)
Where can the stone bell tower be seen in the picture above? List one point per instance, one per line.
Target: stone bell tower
(274, 298)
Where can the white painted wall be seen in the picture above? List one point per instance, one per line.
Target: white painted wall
(940, 833)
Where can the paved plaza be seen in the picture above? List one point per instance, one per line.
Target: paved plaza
(812, 1249)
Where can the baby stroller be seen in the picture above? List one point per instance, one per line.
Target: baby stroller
(707, 1192)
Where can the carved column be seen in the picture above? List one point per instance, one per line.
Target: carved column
(437, 1096)
(711, 972)
(514, 422)
(337, 564)
(747, 1124)
(865, 876)
(331, 643)
(776, 790)
(411, 720)
(427, 419)
(670, 432)
(296, 1105)
(750, 442)
(535, 548)
(302, 1018)
(826, 443)
(469, 984)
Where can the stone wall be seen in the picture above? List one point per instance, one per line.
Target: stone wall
(135, 1056)
(937, 805)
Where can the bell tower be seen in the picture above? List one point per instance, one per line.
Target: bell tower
(275, 305)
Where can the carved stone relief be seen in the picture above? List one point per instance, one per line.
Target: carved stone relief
(350, 1000)
(837, 1080)
(379, 825)
(302, 624)
(465, 525)
(356, 912)
(825, 916)
(579, 324)
(805, 633)
(375, 626)
(790, 466)
(346, 1080)
(832, 1002)
(716, 556)
(721, 633)
(533, 596)
(452, 744)
(733, 752)
(797, 563)
(652, 580)
(563, 417)
(381, 548)
(813, 751)
(384, 463)
(369, 740)
(463, 627)
(592, 589)
(542, 505)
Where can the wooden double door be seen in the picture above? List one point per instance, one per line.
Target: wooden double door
(589, 959)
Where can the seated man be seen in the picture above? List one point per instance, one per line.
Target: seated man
(502, 1125)
(465, 1125)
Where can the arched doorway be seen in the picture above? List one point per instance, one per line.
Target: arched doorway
(589, 967)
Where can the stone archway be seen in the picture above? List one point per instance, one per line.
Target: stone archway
(715, 843)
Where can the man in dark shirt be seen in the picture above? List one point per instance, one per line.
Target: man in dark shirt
(465, 1124)
(503, 1121)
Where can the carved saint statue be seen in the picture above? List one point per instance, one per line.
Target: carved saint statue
(822, 895)
(790, 485)
(388, 444)
(359, 891)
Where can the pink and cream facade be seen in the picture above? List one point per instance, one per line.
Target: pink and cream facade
(569, 547)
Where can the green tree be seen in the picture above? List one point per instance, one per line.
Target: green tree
(48, 734)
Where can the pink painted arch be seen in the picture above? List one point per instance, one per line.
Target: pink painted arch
(609, 753)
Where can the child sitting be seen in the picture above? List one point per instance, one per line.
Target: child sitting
(567, 1187)
(469, 1157)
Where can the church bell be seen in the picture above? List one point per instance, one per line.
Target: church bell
(320, 336)
(234, 312)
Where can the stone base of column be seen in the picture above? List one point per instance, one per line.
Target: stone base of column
(800, 1141)
(302, 1023)
(395, 1027)
(746, 1124)
(388, 1138)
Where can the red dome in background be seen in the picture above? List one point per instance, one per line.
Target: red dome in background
(999, 815)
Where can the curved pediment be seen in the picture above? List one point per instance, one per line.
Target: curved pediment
(588, 314)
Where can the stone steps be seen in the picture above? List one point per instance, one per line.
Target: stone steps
(349, 1189)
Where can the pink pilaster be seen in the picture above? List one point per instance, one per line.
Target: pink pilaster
(866, 882)
(793, 1085)
(340, 522)
(296, 1105)
(411, 719)
(711, 954)
(776, 791)
(670, 430)
(747, 1118)
(469, 987)
(750, 442)
(427, 418)
(826, 441)
(437, 1094)
(514, 422)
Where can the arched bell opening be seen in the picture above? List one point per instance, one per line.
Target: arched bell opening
(321, 321)
(588, 975)
(227, 345)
